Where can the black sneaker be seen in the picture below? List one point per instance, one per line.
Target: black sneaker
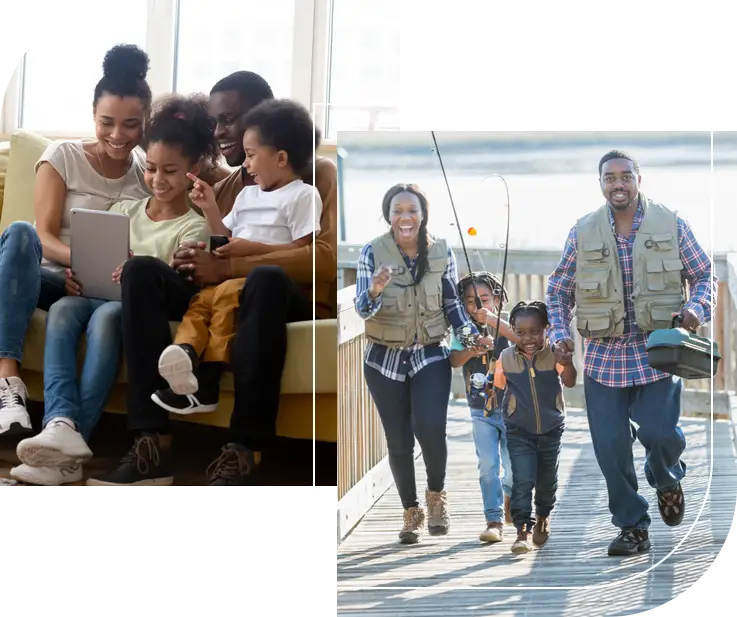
(672, 506)
(145, 464)
(629, 542)
(177, 364)
(236, 466)
(183, 404)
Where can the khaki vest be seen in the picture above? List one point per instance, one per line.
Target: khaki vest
(409, 312)
(657, 283)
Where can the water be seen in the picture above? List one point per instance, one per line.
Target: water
(549, 189)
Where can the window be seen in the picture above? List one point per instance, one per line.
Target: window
(364, 66)
(60, 75)
(341, 52)
(251, 35)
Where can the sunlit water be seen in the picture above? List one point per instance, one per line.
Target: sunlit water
(544, 206)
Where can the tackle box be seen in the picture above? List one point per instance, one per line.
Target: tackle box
(679, 352)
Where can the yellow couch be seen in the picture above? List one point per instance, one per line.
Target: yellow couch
(295, 417)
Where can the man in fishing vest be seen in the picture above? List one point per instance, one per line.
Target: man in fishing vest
(629, 267)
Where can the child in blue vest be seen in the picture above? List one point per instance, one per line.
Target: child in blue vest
(534, 418)
(485, 405)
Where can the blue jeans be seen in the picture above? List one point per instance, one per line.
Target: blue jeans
(66, 397)
(24, 285)
(490, 438)
(656, 409)
(535, 466)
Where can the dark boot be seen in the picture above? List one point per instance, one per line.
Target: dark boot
(629, 542)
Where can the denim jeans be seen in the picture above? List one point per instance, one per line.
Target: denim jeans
(82, 400)
(656, 409)
(417, 407)
(24, 285)
(535, 466)
(490, 438)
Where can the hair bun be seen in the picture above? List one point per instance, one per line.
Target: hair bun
(126, 61)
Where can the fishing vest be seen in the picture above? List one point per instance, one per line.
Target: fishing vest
(476, 365)
(657, 284)
(410, 312)
(533, 399)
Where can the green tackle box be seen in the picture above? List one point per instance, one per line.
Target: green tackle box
(679, 352)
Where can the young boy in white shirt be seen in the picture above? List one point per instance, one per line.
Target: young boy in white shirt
(279, 212)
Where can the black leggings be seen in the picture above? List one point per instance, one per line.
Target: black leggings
(417, 407)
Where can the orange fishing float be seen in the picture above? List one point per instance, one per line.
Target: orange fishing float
(471, 231)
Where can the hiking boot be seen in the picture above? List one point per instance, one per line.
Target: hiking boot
(629, 542)
(541, 530)
(508, 510)
(145, 464)
(414, 523)
(523, 543)
(236, 466)
(438, 519)
(672, 506)
(494, 532)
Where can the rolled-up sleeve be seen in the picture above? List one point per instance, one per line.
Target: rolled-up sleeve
(365, 306)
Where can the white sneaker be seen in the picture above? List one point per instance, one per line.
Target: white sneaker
(58, 445)
(47, 476)
(14, 418)
(175, 365)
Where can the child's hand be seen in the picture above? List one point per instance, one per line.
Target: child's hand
(118, 272)
(202, 194)
(485, 342)
(237, 247)
(562, 355)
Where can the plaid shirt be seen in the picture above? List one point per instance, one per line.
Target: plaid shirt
(397, 363)
(620, 362)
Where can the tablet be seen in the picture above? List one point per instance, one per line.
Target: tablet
(99, 244)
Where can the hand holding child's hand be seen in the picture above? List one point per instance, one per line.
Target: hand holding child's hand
(202, 194)
(563, 354)
(236, 247)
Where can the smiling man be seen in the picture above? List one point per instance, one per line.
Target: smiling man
(279, 289)
(624, 267)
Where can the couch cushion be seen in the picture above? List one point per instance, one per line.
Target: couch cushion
(297, 377)
(4, 156)
(25, 150)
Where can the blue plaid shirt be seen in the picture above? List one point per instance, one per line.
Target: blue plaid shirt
(620, 362)
(396, 363)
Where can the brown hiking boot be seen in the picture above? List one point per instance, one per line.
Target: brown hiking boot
(438, 519)
(523, 543)
(494, 532)
(672, 506)
(508, 510)
(414, 523)
(541, 530)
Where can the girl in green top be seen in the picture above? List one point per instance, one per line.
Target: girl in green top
(179, 139)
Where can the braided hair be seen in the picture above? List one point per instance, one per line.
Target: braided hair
(483, 278)
(422, 248)
(530, 309)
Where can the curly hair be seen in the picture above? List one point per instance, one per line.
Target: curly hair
(530, 309)
(124, 71)
(422, 247)
(184, 122)
(285, 125)
(483, 278)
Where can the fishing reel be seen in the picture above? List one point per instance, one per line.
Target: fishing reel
(479, 384)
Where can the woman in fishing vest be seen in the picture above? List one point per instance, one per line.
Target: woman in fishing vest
(406, 292)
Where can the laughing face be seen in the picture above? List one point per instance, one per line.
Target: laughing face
(119, 124)
(227, 109)
(405, 216)
(620, 183)
(531, 334)
(166, 172)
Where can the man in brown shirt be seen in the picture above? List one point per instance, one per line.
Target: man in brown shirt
(277, 292)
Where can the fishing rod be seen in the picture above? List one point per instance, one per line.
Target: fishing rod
(479, 305)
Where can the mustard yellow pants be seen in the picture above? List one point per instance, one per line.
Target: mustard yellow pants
(210, 323)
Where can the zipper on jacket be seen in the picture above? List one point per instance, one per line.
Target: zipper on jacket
(531, 372)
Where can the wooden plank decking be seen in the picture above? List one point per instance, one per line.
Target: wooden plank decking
(371, 565)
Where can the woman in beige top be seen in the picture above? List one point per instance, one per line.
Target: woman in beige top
(70, 174)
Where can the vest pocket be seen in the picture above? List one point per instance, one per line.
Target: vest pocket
(594, 252)
(673, 269)
(662, 242)
(436, 327)
(593, 284)
(594, 324)
(656, 314)
(394, 334)
(655, 276)
(433, 296)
